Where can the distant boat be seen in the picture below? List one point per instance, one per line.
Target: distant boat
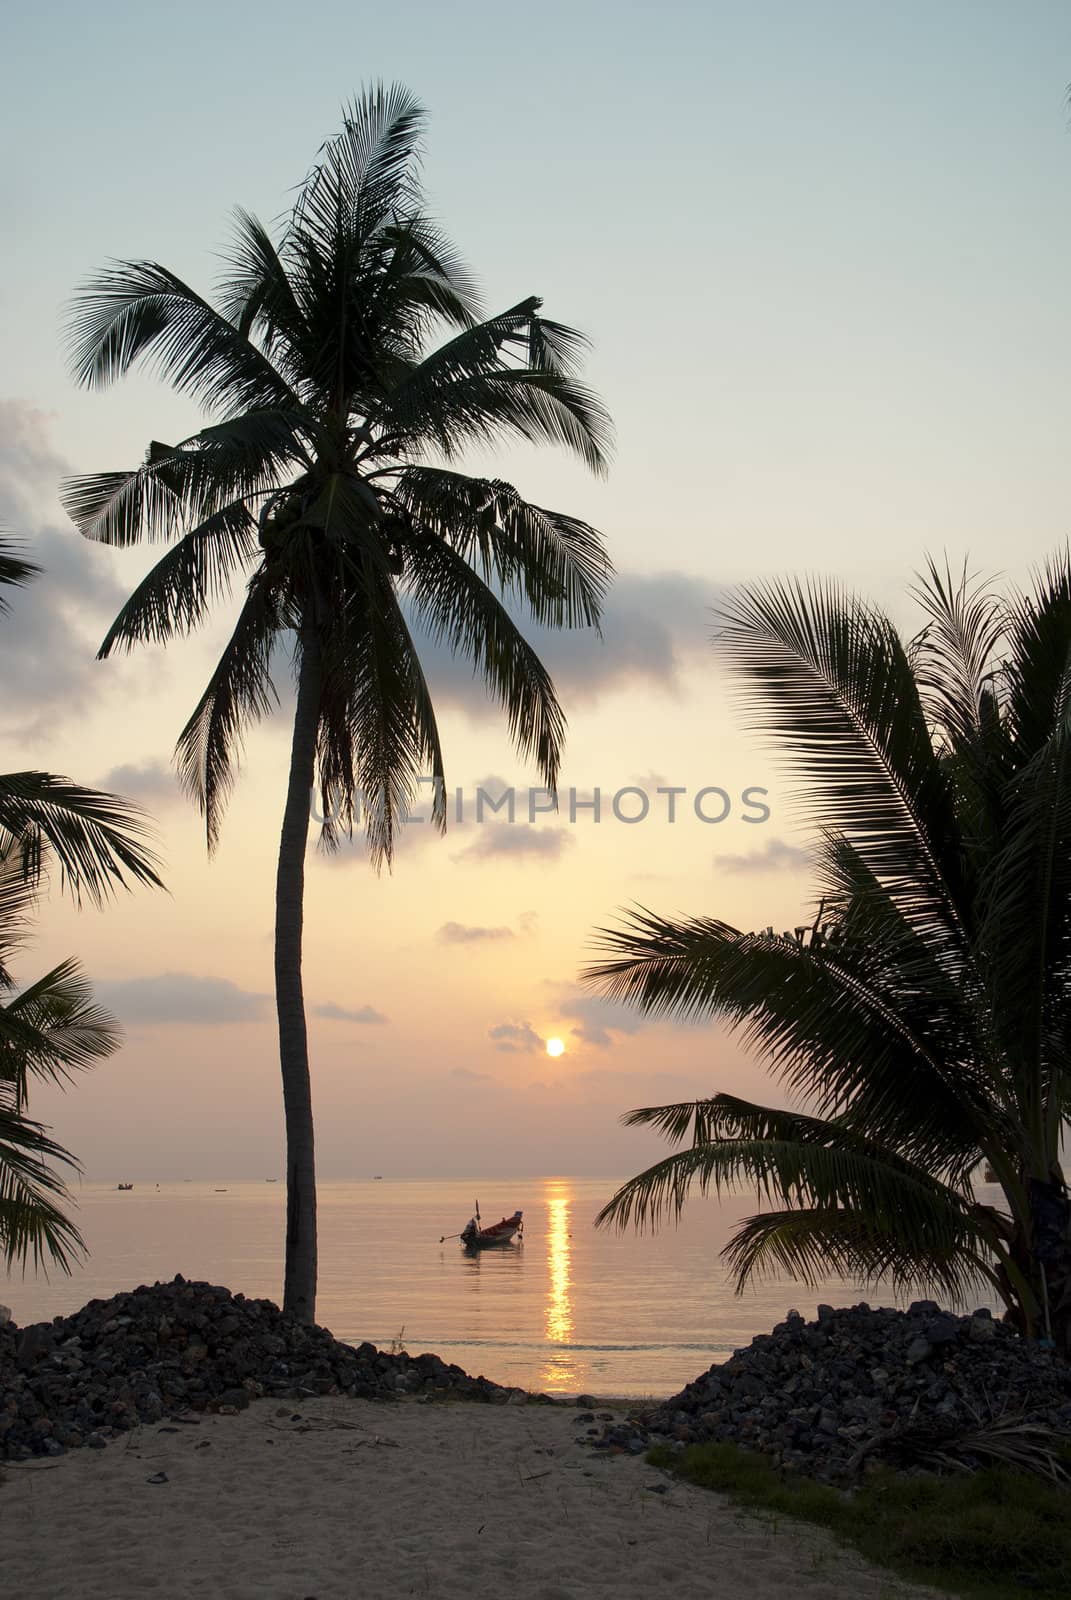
(474, 1236)
(124, 1186)
(377, 1177)
(271, 1180)
(219, 1191)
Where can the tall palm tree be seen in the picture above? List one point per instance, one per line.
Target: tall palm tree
(320, 478)
(50, 1029)
(923, 1018)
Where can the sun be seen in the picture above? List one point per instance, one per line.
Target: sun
(555, 1047)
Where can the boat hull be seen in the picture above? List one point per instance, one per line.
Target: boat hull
(498, 1236)
(500, 1241)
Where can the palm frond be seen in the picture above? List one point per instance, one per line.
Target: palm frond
(1025, 885)
(240, 458)
(453, 604)
(829, 681)
(850, 1206)
(379, 735)
(33, 1228)
(139, 311)
(424, 272)
(1035, 667)
(257, 295)
(553, 347)
(958, 1446)
(368, 171)
(53, 1028)
(955, 658)
(473, 390)
(15, 570)
(785, 1157)
(555, 563)
(240, 691)
(176, 594)
(18, 898)
(828, 1020)
(98, 839)
(941, 1252)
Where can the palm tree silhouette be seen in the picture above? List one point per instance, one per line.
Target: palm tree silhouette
(925, 1016)
(319, 480)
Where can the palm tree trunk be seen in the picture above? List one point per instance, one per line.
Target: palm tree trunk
(1050, 1247)
(299, 1286)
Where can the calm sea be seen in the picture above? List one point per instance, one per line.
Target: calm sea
(571, 1309)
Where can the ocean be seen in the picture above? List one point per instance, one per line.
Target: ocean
(572, 1309)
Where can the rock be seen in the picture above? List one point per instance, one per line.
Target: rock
(34, 1343)
(238, 1398)
(811, 1394)
(942, 1330)
(585, 1401)
(5, 1316)
(176, 1350)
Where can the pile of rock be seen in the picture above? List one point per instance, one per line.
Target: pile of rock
(178, 1347)
(818, 1395)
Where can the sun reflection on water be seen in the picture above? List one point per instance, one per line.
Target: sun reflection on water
(560, 1370)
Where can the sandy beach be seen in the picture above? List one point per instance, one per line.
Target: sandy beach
(364, 1501)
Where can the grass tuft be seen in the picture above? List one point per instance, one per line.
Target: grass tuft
(988, 1535)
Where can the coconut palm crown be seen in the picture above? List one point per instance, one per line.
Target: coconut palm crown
(922, 1022)
(329, 480)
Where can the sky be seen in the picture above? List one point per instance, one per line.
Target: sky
(821, 252)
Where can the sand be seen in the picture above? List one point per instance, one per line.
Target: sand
(359, 1501)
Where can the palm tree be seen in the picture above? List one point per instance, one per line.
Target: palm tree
(922, 1020)
(50, 1029)
(320, 479)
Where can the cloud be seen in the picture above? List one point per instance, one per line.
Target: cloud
(48, 643)
(470, 1077)
(519, 840)
(774, 856)
(601, 1022)
(30, 470)
(334, 1013)
(461, 933)
(516, 1038)
(598, 1020)
(182, 997)
(150, 784)
(652, 626)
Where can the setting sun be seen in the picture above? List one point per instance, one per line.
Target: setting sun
(555, 1047)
